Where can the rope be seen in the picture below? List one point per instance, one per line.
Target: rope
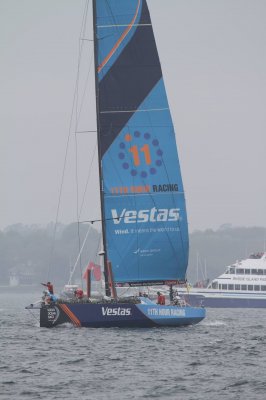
(79, 255)
(68, 141)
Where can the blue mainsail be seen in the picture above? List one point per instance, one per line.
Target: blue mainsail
(146, 233)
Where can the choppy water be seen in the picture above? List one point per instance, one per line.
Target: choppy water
(223, 357)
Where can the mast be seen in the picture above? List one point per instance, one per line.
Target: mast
(107, 288)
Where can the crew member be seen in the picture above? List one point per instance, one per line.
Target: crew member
(49, 286)
(47, 299)
(160, 299)
(177, 300)
(79, 294)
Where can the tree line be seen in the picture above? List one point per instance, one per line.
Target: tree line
(36, 254)
(39, 253)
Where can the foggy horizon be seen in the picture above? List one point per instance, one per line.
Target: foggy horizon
(214, 67)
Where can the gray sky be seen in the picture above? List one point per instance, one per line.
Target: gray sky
(213, 55)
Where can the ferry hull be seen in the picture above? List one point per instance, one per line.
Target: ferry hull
(119, 315)
(197, 300)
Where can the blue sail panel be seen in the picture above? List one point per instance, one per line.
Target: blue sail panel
(146, 240)
(146, 230)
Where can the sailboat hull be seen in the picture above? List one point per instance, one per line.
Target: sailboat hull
(119, 315)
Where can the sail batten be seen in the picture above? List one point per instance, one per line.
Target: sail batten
(144, 208)
(134, 111)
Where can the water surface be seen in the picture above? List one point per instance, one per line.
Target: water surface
(223, 357)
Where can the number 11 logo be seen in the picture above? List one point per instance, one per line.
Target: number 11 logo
(140, 159)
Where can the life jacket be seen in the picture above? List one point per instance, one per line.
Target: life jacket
(161, 300)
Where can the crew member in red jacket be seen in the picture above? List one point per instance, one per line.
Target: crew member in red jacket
(49, 286)
(79, 294)
(160, 299)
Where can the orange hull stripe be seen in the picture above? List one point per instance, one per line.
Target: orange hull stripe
(70, 314)
(67, 313)
(73, 317)
(120, 40)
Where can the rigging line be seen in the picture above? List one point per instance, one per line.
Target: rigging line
(86, 83)
(79, 255)
(87, 182)
(92, 131)
(77, 183)
(98, 260)
(64, 166)
(77, 209)
(76, 169)
(83, 30)
(99, 245)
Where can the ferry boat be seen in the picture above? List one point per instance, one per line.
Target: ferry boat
(242, 285)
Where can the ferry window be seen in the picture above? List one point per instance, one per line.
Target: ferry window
(250, 287)
(230, 287)
(243, 287)
(264, 272)
(237, 287)
(232, 270)
(256, 287)
(220, 286)
(240, 271)
(263, 287)
(247, 271)
(260, 271)
(214, 285)
(224, 287)
(254, 272)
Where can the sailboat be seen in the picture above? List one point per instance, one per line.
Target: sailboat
(143, 211)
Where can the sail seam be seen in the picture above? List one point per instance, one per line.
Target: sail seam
(121, 25)
(143, 194)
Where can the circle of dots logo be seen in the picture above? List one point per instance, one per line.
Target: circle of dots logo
(127, 163)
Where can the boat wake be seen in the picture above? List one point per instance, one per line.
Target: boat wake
(214, 323)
